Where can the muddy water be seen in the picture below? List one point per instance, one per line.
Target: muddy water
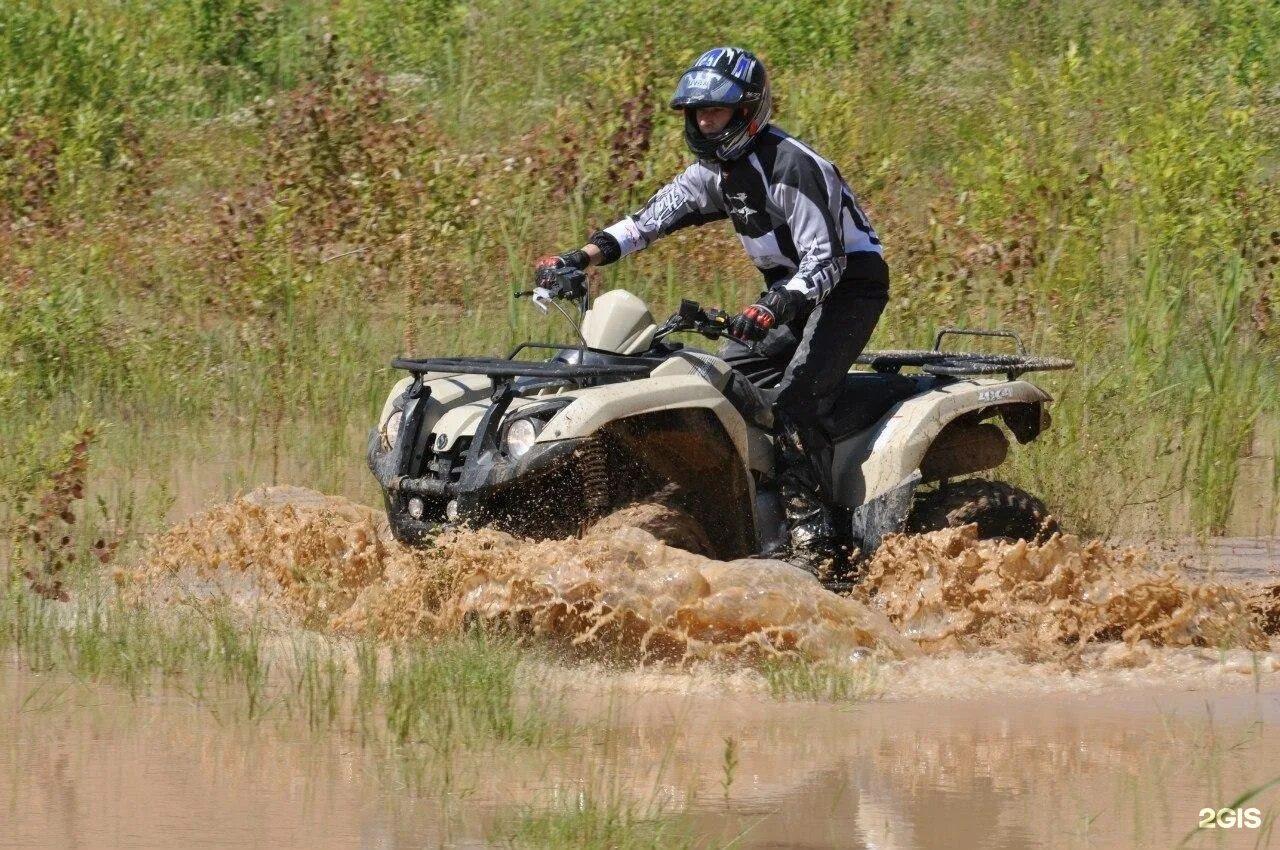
(1007, 696)
(87, 768)
(1129, 769)
(629, 588)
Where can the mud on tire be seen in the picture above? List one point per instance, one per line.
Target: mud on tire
(1000, 510)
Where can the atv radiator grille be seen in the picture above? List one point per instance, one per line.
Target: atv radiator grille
(447, 466)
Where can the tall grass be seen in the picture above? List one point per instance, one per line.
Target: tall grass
(213, 214)
(792, 679)
(432, 700)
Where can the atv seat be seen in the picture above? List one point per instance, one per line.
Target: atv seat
(867, 396)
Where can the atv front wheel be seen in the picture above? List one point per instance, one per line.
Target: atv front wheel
(666, 521)
(1000, 510)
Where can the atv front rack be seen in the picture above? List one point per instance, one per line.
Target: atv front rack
(957, 364)
(501, 367)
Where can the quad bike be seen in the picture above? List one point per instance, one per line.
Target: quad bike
(544, 447)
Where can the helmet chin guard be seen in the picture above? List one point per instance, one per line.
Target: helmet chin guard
(729, 77)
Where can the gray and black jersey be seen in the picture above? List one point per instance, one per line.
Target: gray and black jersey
(794, 213)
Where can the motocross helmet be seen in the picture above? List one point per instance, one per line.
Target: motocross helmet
(724, 76)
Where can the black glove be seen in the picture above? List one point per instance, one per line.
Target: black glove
(563, 275)
(776, 307)
(572, 259)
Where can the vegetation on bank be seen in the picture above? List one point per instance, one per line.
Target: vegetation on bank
(220, 218)
(430, 714)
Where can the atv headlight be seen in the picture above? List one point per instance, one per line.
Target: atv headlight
(391, 429)
(520, 437)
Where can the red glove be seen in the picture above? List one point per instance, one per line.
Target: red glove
(776, 307)
(570, 259)
(753, 323)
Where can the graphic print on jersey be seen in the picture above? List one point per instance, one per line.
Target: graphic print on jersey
(737, 206)
(744, 199)
(665, 205)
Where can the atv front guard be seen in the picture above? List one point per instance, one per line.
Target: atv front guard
(401, 469)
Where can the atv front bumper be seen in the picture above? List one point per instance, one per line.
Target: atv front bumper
(459, 487)
(440, 477)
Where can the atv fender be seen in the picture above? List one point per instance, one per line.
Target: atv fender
(446, 392)
(690, 435)
(596, 407)
(889, 454)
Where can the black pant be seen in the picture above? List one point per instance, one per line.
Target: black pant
(802, 364)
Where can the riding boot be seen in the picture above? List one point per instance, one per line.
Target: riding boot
(810, 532)
(805, 486)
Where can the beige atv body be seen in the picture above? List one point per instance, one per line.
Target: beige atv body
(541, 446)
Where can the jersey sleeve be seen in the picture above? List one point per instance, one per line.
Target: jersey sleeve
(692, 198)
(811, 206)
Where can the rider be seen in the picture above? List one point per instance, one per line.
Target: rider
(826, 281)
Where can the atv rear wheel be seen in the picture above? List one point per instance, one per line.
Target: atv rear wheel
(1000, 510)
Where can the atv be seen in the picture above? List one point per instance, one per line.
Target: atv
(544, 447)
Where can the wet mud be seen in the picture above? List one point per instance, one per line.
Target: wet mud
(620, 592)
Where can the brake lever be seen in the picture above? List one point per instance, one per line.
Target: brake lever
(542, 298)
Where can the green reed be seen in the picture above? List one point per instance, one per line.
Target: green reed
(1092, 176)
(795, 679)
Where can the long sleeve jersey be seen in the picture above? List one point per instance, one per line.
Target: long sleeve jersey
(792, 210)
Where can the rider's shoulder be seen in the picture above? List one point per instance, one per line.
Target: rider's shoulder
(699, 169)
(791, 156)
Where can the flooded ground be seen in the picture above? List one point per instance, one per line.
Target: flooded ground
(87, 767)
(970, 694)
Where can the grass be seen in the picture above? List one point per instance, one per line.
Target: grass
(430, 713)
(589, 823)
(1090, 175)
(798, 679)
(439, 698)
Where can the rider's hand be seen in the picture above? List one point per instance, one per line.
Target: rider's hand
(776, 307)
(563, 275)
(568, 260)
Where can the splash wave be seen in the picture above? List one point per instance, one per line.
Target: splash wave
(622, 593)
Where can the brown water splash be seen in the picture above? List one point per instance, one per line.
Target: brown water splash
(620, 592)
(948, 589)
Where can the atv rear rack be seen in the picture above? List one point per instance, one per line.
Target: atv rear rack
(957, 364)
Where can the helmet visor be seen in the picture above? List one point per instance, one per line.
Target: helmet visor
(706, 87)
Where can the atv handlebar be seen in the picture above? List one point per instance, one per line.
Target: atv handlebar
(691, 316)
(552, 283)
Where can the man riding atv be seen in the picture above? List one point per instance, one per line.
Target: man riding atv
(826, 281)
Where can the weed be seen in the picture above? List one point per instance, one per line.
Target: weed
(448, 694)
(811, 680)
(592, 823)
(729, 764)
(232, 212)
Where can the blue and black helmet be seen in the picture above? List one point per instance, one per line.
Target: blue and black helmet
(724, 76)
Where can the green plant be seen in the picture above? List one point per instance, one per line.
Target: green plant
(456, 693)
(812, 680)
